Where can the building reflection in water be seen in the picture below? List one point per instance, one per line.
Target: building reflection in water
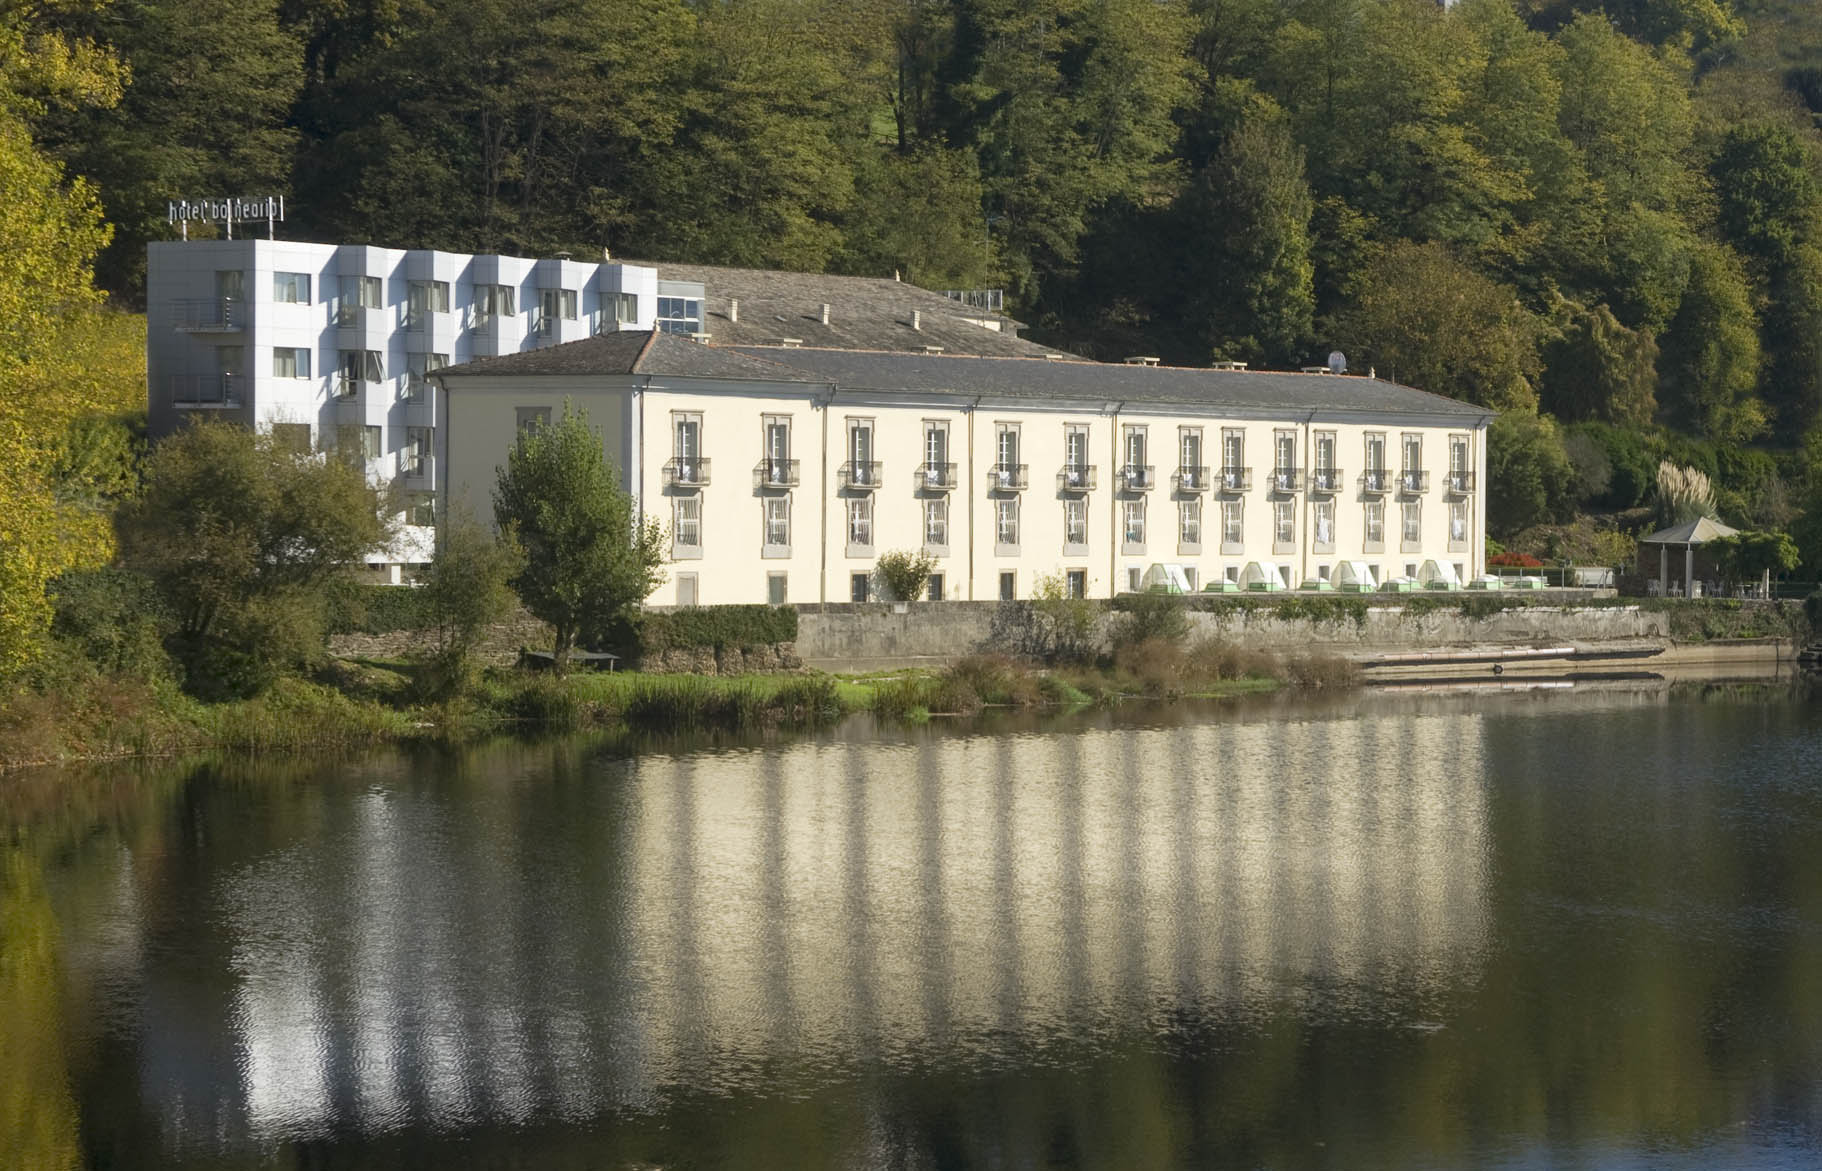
(496, 948)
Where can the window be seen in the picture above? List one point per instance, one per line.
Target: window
(358, 366)
(1374, 522)
(686, 448)
(358, 293)
(1232, 574)
(1006, 526)
(421, 509)
(416, 456)
(1006, 445)
(1134, 579)
(1322, 573)
(778, 522)
(1075, 524)
(292, 437)
(1375, 473)
(1231, 533)
(555, 305)
(230, 285)
(934, 588)
(624, 307)
(862, 471)
(686, 589)
(860, 523)
(531, 418)
(291, 288)
(290, 363)
(230, 361)
(1413, 526)
(679, 315)
(857, 587)
(418, 369)
(775, 445)
(1325, 450)
(1189, 459)
(1132, 448)
(1324, 521)
(1075, 455)
(422, 298)
(776, 589)
(687, 524)
(1284, 450)
(1189, 522)
(1189, 577)
(936, 522)
(1458, 523)
(1008, 585)
(491, 301)
(1075, 583)
(1413, 452)
(1133, 529)
(936, 450)
(1284, 522)
(1233, 459)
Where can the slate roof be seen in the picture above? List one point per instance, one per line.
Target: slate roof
(1101, 382)
(865, 313)
(631, 352)
(1691, 532)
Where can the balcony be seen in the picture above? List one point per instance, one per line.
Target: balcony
(346, 389)
(1138, 478)
(777, 473)
(1412, 481)
(1076, 478)
(1285, 480)
(1376, 481)
(208, 391)
(1326, 480)
(1008, 478)
(1458, 483)
(209, 315)
(859, 476)
(938, 477)
(691, 472)
(1236, 479)
(1191, 480)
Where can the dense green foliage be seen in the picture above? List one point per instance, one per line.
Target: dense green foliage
(588, 559)
(715, 627)
(904, 573)
(465, 590)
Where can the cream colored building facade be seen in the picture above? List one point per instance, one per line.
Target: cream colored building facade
(783, 474)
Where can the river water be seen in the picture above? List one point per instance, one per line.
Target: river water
(1561, 929)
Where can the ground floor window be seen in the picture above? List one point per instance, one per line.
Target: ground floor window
(857, 587)
(775, 591)
(1133, 579)
(1008, 586)
(686, 589)
(935, 588)
(1076, 583)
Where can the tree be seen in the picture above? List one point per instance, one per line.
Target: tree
(919, 215)
(1596, 368)
(1749, 555)
(1709, 365)
(1426, 319)
(905, 573)
(465, 590)
(1246, 238)
(1529, 479)
(244, 537)
(590, 560)
(50, 232)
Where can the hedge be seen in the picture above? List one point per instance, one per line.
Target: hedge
(716, 627)
(358, 608)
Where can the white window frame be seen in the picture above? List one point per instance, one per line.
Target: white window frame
(1075, 526)
(936, 525)
(1410, 521)
(1006, 526)
(1373, 522)
(860, 525)
(1323, 521)
(1284, 526)
(1132, 526)
(1233, 527)
(1458, 526)
(298, 361)
(1189, 526)
(686, 526)
(775, 525)
(291, 288)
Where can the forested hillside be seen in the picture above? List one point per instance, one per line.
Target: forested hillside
(1606, 211)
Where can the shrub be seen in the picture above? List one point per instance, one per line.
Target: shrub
(1216, 660)
(115, 618)
(1147, 617)
(715, 627)
(1514, 561)
(1317, 670)
(359, 608)
(465, 591)
(904, 573)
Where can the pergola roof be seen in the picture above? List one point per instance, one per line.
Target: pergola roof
(1692, 532)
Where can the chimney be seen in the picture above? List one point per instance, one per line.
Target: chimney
(917, 319)
(563, 256)
(606, 254)
(825, 313)
(733, 308)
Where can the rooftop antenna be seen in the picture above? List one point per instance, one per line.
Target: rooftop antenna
(1338, 362)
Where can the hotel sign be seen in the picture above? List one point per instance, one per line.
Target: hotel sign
(228, 210)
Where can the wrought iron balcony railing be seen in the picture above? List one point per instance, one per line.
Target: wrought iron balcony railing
(686, 472)
(1236, 479)
(860, 475)
(777, 473)
(1190, 479)
(937, 477)
(1138, 478)
(1076, 478)
(1326, 480)
(1008, 478)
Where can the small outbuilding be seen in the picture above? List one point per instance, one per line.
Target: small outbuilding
(1672, 560)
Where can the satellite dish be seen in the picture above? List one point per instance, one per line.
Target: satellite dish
(1338, 362)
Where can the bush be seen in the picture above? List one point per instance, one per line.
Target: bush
(715, 627)
(360, 608)
(905, 573)
(1148, 617)
(115, 618)
(1514, 561)
(1315, 670)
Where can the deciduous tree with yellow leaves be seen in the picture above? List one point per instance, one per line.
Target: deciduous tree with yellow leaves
(53, 372)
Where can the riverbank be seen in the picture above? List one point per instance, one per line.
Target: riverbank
(360, 703)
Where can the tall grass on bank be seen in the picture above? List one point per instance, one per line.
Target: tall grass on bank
(696, 703)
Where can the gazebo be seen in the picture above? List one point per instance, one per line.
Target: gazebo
(1673, 558)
